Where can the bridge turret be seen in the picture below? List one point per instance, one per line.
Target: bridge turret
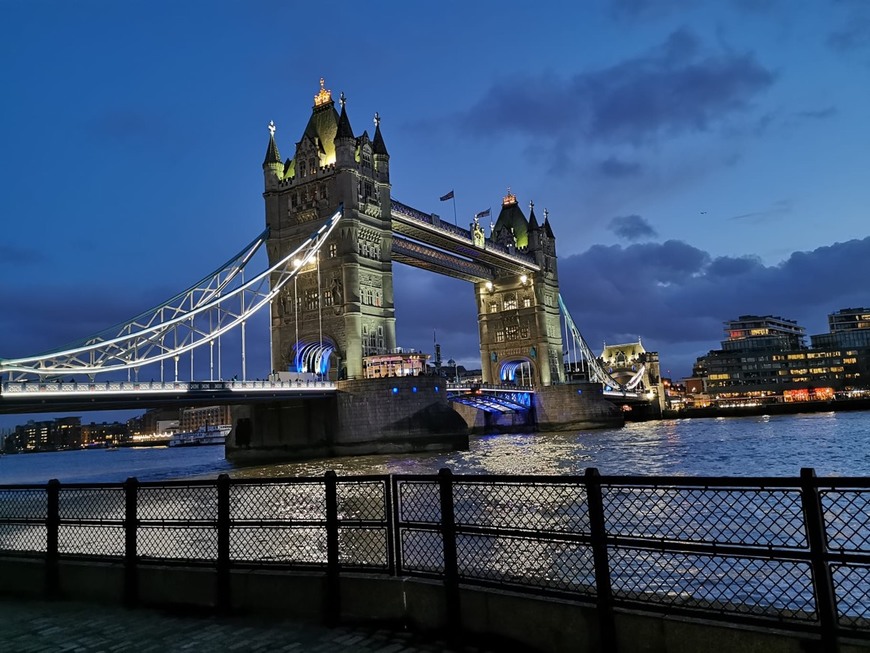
(382, 157)
(273, 169)
(345, 141)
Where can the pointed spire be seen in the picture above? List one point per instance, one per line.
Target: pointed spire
(344, 130)
(378, 145)
(533, 221)
(547, 226)
(272, 154)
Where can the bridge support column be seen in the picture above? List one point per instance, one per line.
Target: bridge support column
(370, 416)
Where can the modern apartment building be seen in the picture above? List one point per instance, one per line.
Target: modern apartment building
(766, 357)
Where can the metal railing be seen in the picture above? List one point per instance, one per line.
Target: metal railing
(788, 552)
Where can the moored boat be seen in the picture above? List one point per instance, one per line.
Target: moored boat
(204, 435)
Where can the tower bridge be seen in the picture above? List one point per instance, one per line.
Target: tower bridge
(333, 232)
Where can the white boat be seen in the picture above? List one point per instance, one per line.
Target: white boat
(203, 435)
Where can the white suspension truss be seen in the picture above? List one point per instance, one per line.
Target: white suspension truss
(197, 317)
(596, 371)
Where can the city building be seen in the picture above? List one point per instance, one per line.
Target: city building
(765, 358)
(190, 419)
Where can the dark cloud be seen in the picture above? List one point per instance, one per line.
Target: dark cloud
(617, 168)
(673, 89)
(13, 255)
(645, 9)
(676, 297)
(854, 35)
(819, 114)
(631, 227)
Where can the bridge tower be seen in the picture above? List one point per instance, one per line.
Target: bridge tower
(518, 315)
(341, 306)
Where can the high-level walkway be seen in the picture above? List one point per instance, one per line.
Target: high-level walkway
(55, 626)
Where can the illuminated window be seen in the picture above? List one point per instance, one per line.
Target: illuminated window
(510, 301)
(794, 357)
(847, 361)
(493, 307)
(333, 250)
(527, 302)
(327, 298)
(512, 332)
(499, 336)
(311, 300)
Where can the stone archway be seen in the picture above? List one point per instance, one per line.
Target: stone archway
(517, 371)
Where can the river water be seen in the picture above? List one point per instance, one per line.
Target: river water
(835, 444)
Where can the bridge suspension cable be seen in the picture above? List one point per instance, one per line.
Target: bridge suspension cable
(596, 371)
(196, 317)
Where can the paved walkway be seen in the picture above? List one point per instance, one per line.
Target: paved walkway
(55, 627)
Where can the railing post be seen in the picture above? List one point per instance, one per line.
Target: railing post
(823, 583)
(131, 532)
(448, 538)
(598, 538)
(332, 597)
(223, 599)
(52, 527)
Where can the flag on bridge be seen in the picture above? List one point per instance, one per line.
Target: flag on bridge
(448, 196)
(484, 214)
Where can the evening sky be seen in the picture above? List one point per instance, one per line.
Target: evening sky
(699, 159)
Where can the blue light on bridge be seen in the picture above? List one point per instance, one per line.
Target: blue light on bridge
(579, 392)
(395, 391)
(414, 389)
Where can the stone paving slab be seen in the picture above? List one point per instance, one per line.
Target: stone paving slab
(71, 627)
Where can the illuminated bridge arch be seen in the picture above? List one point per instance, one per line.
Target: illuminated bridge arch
(313, 355)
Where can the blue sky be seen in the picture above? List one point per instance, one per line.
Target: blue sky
(699, 159)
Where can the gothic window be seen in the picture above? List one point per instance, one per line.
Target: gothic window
(367, 189)
(378, 299)
(524, 332)
(527, 302)
(311, 300)
(327, 298)
(333, 250)
(499, 335)
(293, 201)
(312, 165)
(366, 158)
(512, 332)
(510, 302)
(493, 307)
(302, 168)
(380, 338)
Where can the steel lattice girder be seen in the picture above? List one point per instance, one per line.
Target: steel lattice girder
(196, 317)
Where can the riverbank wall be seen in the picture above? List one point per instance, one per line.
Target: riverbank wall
(499, 619)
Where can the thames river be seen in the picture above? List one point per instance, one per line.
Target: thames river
(835, 444)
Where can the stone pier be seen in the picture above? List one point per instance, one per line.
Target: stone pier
(371, 416)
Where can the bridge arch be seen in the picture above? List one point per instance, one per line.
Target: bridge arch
(312, 355)
(519, 370)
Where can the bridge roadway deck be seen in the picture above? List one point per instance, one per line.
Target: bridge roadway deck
(42, 626)
(34, 397)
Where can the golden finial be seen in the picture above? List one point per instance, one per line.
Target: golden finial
(324, 96)
(510, 198)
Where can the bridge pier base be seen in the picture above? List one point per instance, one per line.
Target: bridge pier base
(370, 416)
(575, 407)
(565, 407)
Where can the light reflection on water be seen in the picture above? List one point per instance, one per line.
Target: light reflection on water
(835, 444)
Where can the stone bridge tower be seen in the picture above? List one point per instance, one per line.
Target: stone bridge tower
(341, 307)
(518, 315)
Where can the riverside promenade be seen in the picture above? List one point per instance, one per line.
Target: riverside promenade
(56, 626)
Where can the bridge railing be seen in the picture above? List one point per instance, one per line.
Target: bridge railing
(793, 553)
(18, 388)
(492, 387)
